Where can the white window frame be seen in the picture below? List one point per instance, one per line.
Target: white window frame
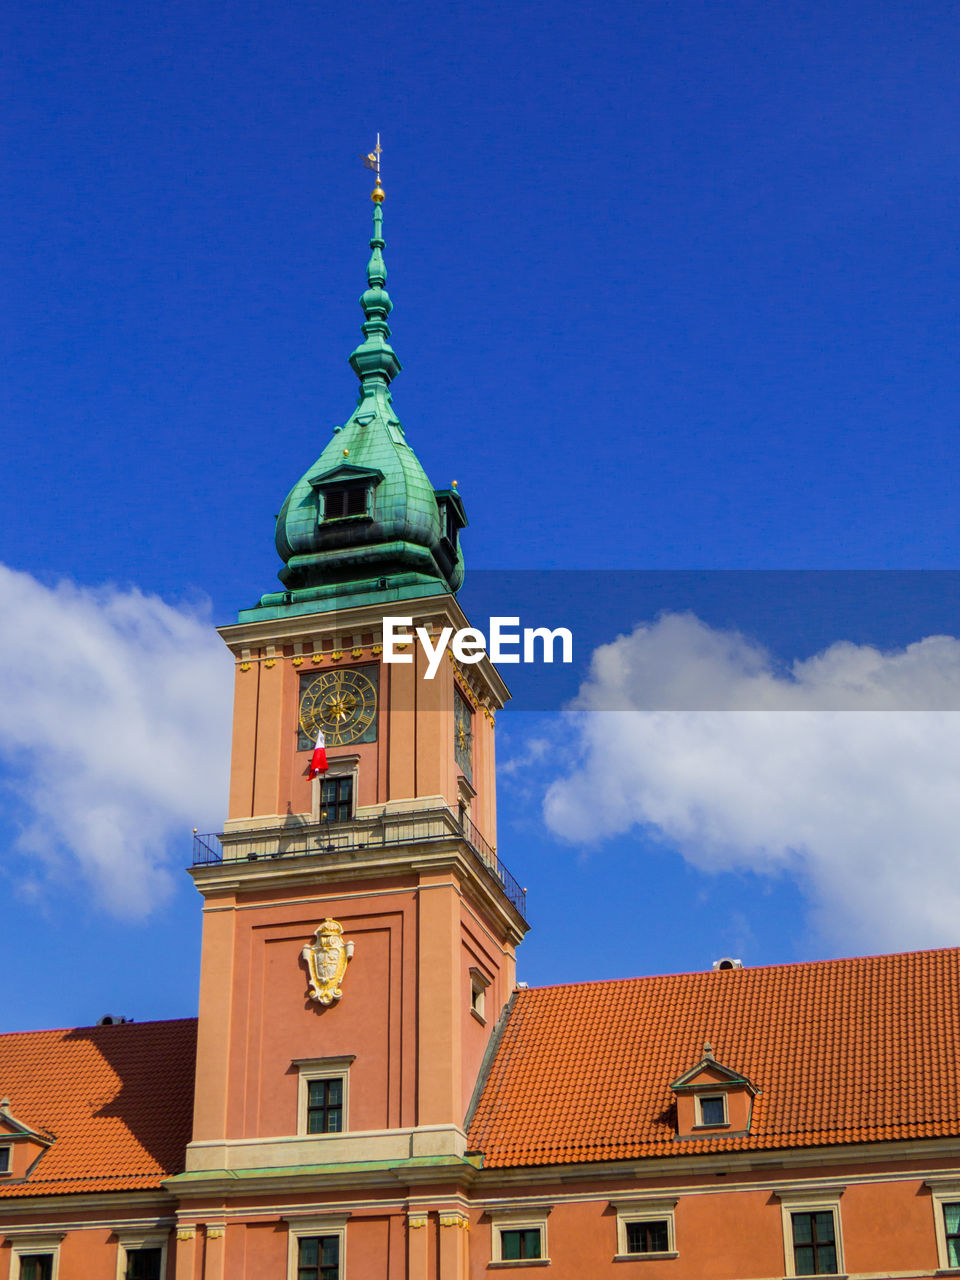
(322, 1069)
(700, 1098)
(644, 1211)
(131, 1241)
(532, 1219)
(28, 1244)
(478, 993)
(812, 1200)
(327, 1224)
(943, 1193)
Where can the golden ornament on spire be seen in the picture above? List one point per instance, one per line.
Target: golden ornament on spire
(372, 162)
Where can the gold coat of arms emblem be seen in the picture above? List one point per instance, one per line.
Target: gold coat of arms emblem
(326, 960)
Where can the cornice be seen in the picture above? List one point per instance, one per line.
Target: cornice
(318, 1178)
(307, 627)
(266, 875)
(731, 1162)
(19, 1206)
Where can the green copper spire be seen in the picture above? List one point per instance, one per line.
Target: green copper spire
(375, 362)
(364, 523)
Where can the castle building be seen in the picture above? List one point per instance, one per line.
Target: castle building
(365, 1093)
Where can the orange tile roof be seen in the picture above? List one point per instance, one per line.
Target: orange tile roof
(842, 1051)
(118, 1101)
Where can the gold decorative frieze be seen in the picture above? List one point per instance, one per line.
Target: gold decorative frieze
(214, 1233)
(326, 960)
(416, 1220)
(356, 653)
(336, 655)
(455, 1220)
(186, 1233)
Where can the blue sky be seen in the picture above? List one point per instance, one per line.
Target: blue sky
(675, 289)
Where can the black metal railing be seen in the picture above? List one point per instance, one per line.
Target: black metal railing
(415, 826)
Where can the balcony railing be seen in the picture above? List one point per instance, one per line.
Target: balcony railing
(415, 826)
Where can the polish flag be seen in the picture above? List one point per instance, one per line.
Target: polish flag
(318, 761)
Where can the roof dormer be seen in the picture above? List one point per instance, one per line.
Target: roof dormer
(713, 1100)
(20, 1145)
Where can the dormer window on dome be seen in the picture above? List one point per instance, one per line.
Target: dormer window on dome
(345, 500)
(345, 492)
(713, 1100)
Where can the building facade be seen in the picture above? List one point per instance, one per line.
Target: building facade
(366, 1092)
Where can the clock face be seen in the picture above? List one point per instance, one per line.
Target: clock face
(462, 734)
(341, 703)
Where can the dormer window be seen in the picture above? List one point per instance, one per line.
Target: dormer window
(345, 500)
(345, 492)
(4, 1159)
(713, 1100)
(453, 518)
(450, 525)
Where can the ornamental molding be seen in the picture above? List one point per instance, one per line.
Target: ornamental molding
(455, 1220)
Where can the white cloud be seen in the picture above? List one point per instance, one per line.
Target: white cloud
(843, 770)
(114, 729)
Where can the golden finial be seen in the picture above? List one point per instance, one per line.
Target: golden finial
(372, 162)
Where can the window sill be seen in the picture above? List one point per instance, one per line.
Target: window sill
(519, 1262)
(646, 1257)
(699, 1128)
(483, 1022)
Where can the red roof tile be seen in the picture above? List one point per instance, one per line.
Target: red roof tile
(118, 1101)
(861, 1050)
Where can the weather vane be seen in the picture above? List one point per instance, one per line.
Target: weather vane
(372, 162)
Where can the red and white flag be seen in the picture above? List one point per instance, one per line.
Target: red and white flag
(318, 761)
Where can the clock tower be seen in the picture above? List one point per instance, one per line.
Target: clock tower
(359, 927)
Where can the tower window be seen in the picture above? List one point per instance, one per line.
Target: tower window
(348, 500)
(325, 1105)
(478, 987)
(336, 799)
